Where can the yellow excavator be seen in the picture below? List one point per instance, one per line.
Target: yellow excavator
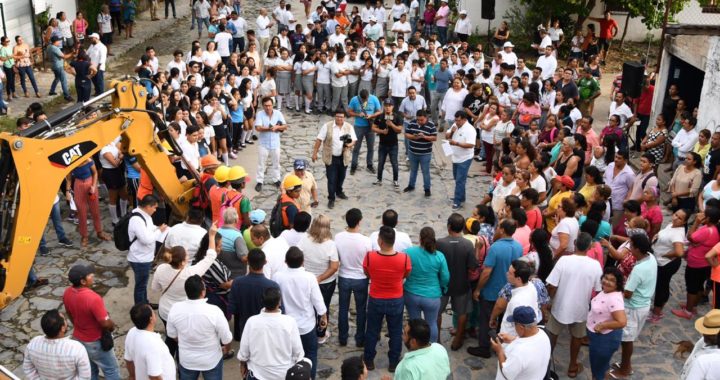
(34, 162)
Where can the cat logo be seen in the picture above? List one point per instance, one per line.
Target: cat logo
(67, 156)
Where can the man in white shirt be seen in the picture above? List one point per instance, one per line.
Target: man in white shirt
(300, 225)
(202, 332)
(179, 64)
(380, 14)
(373, 31)
(618, 107)
(352, 247)
(526, 356)
(278, 13)
(463, 27)
(571, 283)
(337, 38)
(263, 32)
(402, 27)
(354, 64)
(366, 12)
(402, 239)
(704, 360)
(547, 62)
(400, 80)
(202, 14)
(303, 301)
(339, 71)
(223, 41)
(274, 249)
(508, 56)
(461, 137)
(146, 355)
(98, 56)
(685, 139)
(323, 100)
(152, 59)
(187, 234)
(270, 342)
(524, 293)
(544, 42)
(240, 25)
(143, 235)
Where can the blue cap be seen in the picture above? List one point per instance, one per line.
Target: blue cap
(257, 216)
(299, 164)
(523, 315)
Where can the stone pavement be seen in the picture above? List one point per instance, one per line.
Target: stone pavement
(20, 321)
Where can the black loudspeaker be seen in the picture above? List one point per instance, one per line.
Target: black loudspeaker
(633, 75)
(488, 10)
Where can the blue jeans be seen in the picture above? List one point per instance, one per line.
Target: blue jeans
(142, 274)
(392, 310)
(310, 346)
(424, 161)
(460, 173)
(101, 360)
(359, 288)
(59, 78)
(601, 348)
(238, 44)
(430, 307)
(442, 34)
(57, 223)
(212, 374)
(99, 79)
(369, 136)
(3, 105)
(383, 152)
(27, 70)
(32, 277)
(200, 22)
(335, 173)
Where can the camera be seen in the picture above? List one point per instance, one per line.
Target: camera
(346, 139)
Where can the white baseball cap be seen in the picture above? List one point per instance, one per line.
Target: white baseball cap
(94, 35)
(463, 12)
(508, 44)
(373, 19)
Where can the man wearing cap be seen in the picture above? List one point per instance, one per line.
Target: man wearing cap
(270, 124)
(441, 21)
(508, 56)
(257, 216)
(230, 194)
(90, 318)
(98, 55)
(463, 28)
(373, 31)
(563, 186)
(388, 125)
(525, 356)
(335, 153)
(308, 194)
(270, 343)
(704, 361)
(57, 65)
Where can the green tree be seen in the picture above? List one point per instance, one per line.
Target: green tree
(651, 11)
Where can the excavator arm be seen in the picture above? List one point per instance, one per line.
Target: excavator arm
(34, 162)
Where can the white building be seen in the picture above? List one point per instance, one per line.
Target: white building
(18, 16)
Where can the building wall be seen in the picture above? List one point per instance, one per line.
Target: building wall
(708, 110)
(19, 17)
(692, 14)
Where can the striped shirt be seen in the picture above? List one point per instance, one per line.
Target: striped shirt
(421, 147)
(56, 359)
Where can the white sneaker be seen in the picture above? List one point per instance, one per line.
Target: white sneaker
(324, 339)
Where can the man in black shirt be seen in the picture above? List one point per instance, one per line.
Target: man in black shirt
(711, 166)
(387, 126)
(567, 86)
(460, 256)
(319, 35)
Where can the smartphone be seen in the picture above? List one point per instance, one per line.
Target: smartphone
(493, 334)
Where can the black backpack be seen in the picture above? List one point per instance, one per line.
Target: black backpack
(276, 217)
(121, 237)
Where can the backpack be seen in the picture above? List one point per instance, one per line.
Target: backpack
(121, 236)
(645, 181)
(276, 217)
(201, 194)
(227, 203)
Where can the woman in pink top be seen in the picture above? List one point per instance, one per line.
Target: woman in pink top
(605, 322)
(650, 210)
(527, 111)
(702, 240)
(79, 28)
(441, 21)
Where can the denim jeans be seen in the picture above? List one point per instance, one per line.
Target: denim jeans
(27, 71)
(98, 81)
(358, 288)
(3, 105)
(200, 22)
(101, 360)
(406, 142)
(601, 349)
(383, 152)
(436, 99)
(142, 274)
(442, 34)
(369, 136)
(335, 176)
(424, 161)
(310, 346)
(32, 277)
(392, 310)
(56, 218)
(238, 44)
(168, 4)
(460, 174)
(59, 78)
(430, 307)
(10, 75)
(212, 374)
(327, 291)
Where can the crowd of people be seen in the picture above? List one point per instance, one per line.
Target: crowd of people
(568, 234)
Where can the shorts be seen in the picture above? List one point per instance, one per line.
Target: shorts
(635, 322)
(695, 279)
(460, 305)
(577, 329)
(113, 178)
(106, 38)
(129, 21)
(220, 131)
(604, 43)
(248, 113)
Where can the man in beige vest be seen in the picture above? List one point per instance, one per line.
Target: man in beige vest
(337, 139)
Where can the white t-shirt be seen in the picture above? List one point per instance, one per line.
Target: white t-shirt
(575, 278)
(402, 29)
(323, 72)
(354, 65)
(223, 40)
(623, 111)
(398, 10)
(509, 58)
(522, 296)
(318, 257)
(499, 193)
(209, 133)
(487, 136)
(211, 58)
(399, 82)
(501, 130)
(666, 238)
(402, 241)
(569, 226)
(215, 119)
(149, 354)
(526, 358)
(352, 248)
(336, 39)
(181, 66)
(466, 135)
(540, 185)
(335, 68)
(109, 148)
(292, 237)
(275, 250)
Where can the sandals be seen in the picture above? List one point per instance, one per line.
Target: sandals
(614, 375)
(104, 236)
(578, 369)
(616, 367)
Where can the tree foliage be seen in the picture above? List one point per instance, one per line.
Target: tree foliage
(651, 11)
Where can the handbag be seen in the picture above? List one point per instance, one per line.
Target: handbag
(106, 341)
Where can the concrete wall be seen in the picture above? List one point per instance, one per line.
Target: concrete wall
(692, 14)
(708, 110)
(19, 17)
